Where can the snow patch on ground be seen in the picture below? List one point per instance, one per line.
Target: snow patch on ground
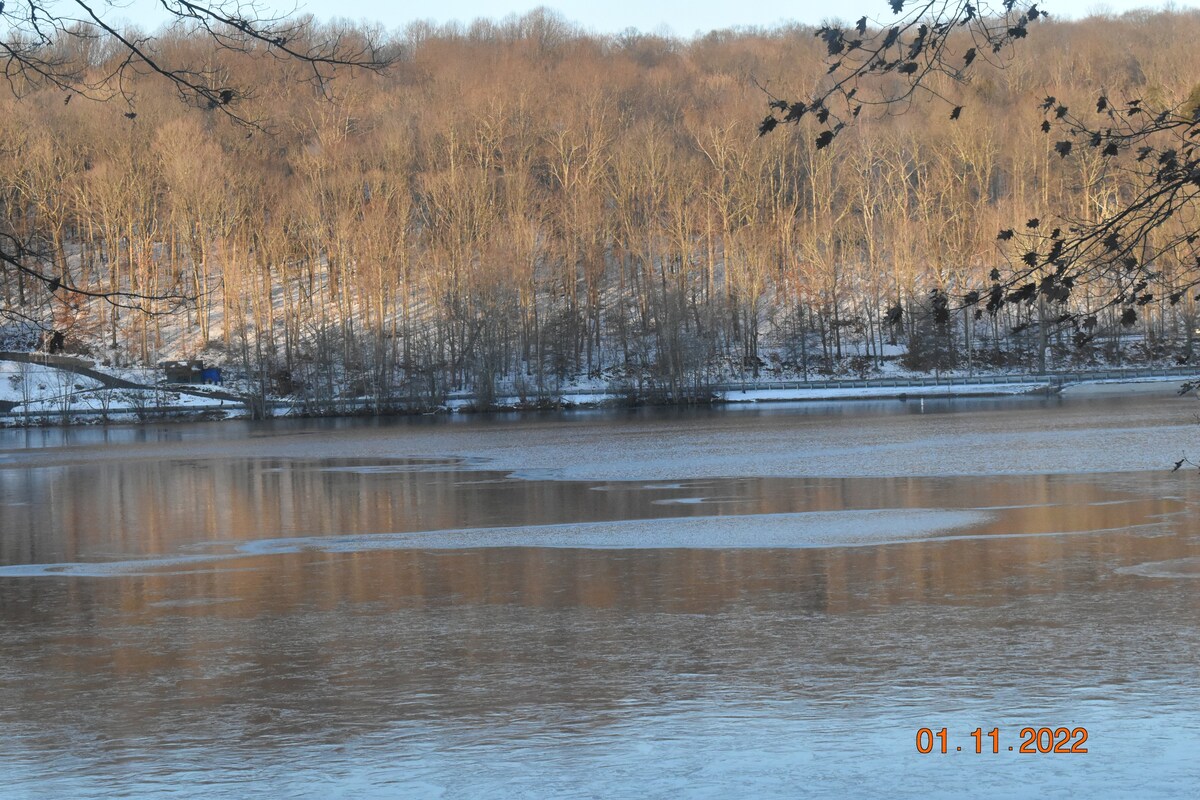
(38, 391)
(35, 383)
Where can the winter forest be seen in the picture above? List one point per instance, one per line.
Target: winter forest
(513, 205)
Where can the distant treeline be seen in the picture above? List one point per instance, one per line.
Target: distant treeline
(523, 201)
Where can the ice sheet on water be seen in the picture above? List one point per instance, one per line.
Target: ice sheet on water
(109, 569)
(650, 487)
(794, 530)
(810, 529)
(1174, 568)
(397, 466)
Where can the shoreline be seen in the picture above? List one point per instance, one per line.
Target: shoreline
(900, 390)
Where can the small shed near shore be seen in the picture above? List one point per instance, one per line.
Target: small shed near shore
(190, 371)
(182, 371)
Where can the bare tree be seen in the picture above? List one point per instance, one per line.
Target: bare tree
(511, 209)
(78, 48)
(1141, 245)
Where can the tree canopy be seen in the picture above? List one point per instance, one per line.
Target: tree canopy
(79, 49)
(928, 49)
(522, 203)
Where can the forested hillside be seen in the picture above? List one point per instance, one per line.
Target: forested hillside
(521, 202)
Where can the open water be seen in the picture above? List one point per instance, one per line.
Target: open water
(750, 602)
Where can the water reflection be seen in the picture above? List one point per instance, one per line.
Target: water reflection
(533, 671)
(105, 512)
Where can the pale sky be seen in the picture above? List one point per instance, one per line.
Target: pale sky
(681, 17)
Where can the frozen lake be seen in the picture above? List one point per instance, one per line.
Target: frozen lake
(739, 602)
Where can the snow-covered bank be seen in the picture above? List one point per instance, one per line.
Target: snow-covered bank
(1167, 386)
(892, 387)
(882, 392)
(1164, 385)
(41, 394)
(887, 390)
